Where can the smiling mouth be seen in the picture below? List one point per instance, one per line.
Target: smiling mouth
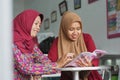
(36, 31)
(74, 37)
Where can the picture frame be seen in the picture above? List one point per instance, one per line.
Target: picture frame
(113, 18)
(53, 16)
(77, 4)
(63, 7)
(91, 1)
(46, 23)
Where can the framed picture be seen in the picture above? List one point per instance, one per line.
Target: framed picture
(113, 18)
(91, 1)
(63, 7)
(53, 16)
(46, 23)
(77, 4)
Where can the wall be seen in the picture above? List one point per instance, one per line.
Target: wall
(93, 18)
(6, 57)
(18, 6)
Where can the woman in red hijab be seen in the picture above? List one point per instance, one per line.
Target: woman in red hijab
(28, 59)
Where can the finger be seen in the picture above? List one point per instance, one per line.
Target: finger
(84, 62)
(88, 61)
(70, 55)
(80, 62)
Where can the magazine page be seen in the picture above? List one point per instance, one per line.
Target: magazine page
(90, 55)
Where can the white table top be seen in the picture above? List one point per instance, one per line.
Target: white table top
(84, 68)
(52, 75)
(76, 69)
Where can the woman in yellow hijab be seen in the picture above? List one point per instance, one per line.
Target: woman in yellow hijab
(72, 40)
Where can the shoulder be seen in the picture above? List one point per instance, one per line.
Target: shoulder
(89, 42)
(55, 40)
(54, 43)
(86, 35)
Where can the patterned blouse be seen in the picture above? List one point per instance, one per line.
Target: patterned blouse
(28, 64)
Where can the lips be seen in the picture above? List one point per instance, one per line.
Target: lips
(74, 37)
(36, 30)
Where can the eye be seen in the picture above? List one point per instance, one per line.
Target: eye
(78, 28)
(71, 29)
(36, 23)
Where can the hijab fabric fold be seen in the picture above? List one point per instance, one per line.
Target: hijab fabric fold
(65, 45)
(22, 25)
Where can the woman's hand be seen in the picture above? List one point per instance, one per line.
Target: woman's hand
(36, 78)
(65, 60)
(84, 62)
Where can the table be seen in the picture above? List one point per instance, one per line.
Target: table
(52, 75)
(76, 70)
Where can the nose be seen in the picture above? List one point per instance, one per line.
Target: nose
(75, 32)
(38, 27)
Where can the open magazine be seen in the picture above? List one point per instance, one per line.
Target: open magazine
(90, 55)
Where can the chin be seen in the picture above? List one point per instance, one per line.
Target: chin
(34, 35)
(73, 40)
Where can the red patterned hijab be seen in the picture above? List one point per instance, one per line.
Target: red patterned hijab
(22, 25)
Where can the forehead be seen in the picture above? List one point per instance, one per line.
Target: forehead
(38, 18)
(75, 24)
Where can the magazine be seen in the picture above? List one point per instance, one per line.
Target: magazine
(90, 55)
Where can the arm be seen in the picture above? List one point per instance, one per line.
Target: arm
(25, 64)
(53, 52)
(53, 55)
(39, 57)
(90, 46)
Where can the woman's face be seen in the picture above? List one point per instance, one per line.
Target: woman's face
(74, 31)
(36, 26)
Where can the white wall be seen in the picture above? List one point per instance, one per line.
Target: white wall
(6, 60)
(46, 7)
(93, 18)
(18, 6)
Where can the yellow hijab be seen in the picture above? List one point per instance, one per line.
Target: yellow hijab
(65, 45)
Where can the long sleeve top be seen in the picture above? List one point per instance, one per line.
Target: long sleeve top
(53, 55)
(53, 52)
(27, 64)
